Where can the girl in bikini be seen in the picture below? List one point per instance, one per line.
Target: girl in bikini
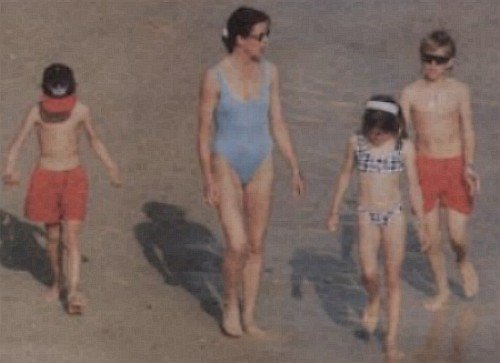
(239, 104)
(380, 152)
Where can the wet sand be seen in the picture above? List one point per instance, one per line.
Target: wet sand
(152, 249)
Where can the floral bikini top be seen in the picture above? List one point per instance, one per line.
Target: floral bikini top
(365, 161)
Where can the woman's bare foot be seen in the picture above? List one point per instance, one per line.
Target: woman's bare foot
(256, 332)
(51, 294)
(231, 325)
(437, 302)
(370, 316)
(470, 282)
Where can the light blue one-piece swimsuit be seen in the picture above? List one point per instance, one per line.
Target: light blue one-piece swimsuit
(242, 135)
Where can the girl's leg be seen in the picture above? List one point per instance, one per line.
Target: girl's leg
(53, 252)
(393, 241)
(257, 200)
(230, 210)
(369, 244)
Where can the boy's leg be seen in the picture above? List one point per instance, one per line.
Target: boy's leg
(369, 244)
(71, 239)
(54, 253)
(457, 223)
(436, 260)
(257, 199)
(393, 239)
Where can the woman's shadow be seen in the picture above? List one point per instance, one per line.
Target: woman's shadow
(334, 278)
(185, 253)
(20, 248)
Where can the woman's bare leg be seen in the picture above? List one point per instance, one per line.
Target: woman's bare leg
(257, 201)
(393, 241)
(369, 244)
(230, 210)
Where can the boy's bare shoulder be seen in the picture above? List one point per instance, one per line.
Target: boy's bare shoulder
(81, 109)
(457, 85)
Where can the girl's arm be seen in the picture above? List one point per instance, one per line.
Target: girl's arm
(281, 134)
(209, 94)
(342, 185)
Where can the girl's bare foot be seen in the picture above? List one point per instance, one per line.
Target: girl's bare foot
(437, 302)
(470, 282)
(51, 294)
(370, 316)
(231, 325)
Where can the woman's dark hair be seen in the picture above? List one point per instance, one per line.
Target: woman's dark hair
(58, 81)
(383, 120)
(240, 23)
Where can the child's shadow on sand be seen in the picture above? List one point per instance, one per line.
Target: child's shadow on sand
(20, 249)
(334, 278)
(185, 253)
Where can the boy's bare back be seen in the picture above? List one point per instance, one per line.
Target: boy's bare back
(439, 112)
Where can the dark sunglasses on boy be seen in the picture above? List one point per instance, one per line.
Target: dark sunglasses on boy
(260, 37)
(429, 58)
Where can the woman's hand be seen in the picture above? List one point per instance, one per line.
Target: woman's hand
(297, 184)
(333, 222)
(211, 194)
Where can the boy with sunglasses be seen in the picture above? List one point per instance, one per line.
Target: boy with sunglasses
(440, 113)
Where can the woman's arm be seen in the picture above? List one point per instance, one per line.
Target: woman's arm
(209, 95)
(281, 133)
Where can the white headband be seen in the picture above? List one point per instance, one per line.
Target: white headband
(383, 106)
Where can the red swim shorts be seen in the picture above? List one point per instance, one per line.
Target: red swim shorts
(443, 180)
(57, 195)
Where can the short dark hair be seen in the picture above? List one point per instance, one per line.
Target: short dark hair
(240, 23)
(58, 81)
(438, 39)
(383, 120)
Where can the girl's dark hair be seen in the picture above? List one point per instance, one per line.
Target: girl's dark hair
(240, 23)
(383, 120)
(58, 81)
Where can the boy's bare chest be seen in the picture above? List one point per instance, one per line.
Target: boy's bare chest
(438, 102)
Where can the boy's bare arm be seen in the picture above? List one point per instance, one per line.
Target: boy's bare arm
(405, 103)
(99, 148)
(9, 175)
(469, 140)
(415, 192)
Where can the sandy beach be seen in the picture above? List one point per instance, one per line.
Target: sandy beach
(152, 249)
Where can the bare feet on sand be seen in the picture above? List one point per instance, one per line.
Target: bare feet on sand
(370, 316)
(231, 325)
(470, 282)
(76, 303)
(437, 302)
(51, 294)
(253, 330)
(392, 353)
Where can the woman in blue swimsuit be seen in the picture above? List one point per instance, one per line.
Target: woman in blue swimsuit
(239, 106)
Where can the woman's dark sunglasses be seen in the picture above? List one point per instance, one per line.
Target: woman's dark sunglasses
(429, 58)
(260, 37)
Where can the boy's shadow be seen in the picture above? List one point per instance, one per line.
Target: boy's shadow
(185, 253)
(335, 280)
(20, 248)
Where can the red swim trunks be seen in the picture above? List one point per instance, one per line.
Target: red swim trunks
(443, 180)
(57, 195)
